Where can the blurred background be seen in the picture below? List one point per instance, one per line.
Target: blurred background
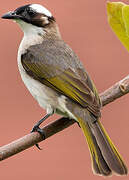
(84, 27)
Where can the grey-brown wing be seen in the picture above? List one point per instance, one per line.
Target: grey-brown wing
(56, 65)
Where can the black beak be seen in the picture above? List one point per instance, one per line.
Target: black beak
(10, 15)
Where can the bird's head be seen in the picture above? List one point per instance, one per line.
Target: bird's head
(33, 17)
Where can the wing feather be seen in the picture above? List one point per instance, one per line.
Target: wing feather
(68, 78)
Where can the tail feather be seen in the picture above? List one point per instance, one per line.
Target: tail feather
(99, 165)
(104, 155)
(109, 151)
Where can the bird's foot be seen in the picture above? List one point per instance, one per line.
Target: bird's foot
(36, 127)
(41, 132)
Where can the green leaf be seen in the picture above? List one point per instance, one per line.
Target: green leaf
(118, 18)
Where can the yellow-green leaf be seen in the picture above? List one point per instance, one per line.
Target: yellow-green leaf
(125, 13)
(118, 18)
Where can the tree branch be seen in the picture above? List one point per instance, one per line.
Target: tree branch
(116, 91)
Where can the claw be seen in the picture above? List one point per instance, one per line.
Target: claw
(36, 128)
(37, 145)
(41, 132)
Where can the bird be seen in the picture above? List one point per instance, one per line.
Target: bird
(57, 79)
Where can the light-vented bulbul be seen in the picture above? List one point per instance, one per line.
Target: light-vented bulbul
(56, 78)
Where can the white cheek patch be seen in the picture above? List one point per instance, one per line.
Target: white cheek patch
(29, 29)
(40, 9)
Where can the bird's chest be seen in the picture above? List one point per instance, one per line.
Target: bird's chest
(45, 96)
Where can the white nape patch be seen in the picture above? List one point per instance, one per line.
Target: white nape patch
(40, 9)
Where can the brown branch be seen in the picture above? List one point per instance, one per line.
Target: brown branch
(119, 89)
(116, 91)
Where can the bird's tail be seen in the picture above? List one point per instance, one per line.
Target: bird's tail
(105, 157)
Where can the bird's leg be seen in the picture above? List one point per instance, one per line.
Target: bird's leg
(78, 124)
(36, 127)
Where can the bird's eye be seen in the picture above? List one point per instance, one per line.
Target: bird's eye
(31, 13)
